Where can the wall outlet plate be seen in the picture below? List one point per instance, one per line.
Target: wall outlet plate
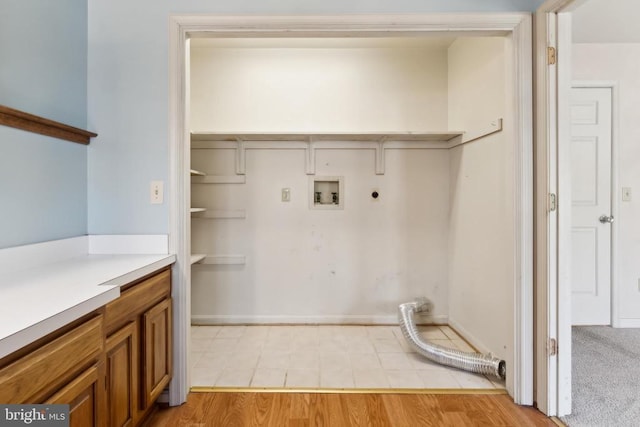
(626, 194)
(157, 192)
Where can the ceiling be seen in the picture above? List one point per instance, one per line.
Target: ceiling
(607, 21)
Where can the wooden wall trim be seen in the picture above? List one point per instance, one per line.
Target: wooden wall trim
(36, 124)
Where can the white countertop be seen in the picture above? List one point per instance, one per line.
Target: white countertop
(41, 299)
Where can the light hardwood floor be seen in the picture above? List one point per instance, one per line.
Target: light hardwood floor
(334, 410)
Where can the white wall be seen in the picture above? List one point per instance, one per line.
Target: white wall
(481, 234)
(621, 63)
(606, 21)
(351, 265)
(346, 89)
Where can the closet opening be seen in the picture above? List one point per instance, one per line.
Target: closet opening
(387, 160)
(299, 270)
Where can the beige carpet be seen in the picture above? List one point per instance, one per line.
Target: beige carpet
(606, 377)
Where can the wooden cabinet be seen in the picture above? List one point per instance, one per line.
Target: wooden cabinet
(122, 375)
(139, 350)
(86, 398)
(110, 366)
(37, 374)
(157, 350)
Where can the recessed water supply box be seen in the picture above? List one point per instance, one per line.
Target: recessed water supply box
(326, 192)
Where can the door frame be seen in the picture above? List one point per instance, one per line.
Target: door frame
(615, 201)
(517, 26)
(553, 83)
(553, 304)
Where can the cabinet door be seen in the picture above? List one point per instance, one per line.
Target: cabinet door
(157, 349)
(122, 375)
(86, 398)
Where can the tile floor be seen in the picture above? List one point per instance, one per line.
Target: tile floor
(367, 357)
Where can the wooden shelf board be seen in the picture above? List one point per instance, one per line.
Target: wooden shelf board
(224, 214)
(219, 179)
(36, 124)
(196, 258)
(223, 260)
(321, 136)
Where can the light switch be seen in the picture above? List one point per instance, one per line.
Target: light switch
(626, 194)
(286, 195)
(157, 192)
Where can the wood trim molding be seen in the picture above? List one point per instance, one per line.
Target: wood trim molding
(522, 134)
(36, 124)
(179, 202)
(545, 221)
(564, 235)
(341, 25)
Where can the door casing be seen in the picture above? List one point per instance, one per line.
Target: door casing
(552, 226)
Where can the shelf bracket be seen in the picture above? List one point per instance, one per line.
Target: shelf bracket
(310, 157)
(380, 167)
(241, 160)
(476, 134)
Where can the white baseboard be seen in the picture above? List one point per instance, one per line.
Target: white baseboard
(128, 244)
(474, 341)
(27, 256)
(313, 320)
(627, 323)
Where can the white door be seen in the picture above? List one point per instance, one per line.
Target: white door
(591, 206)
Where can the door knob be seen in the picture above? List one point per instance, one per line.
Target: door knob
(604, 219)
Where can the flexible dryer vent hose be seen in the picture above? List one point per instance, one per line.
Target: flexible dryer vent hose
(474, 362)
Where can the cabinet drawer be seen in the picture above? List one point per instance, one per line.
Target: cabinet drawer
(45, 370)
(137, 299)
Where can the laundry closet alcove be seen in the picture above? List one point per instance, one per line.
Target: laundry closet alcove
(416, 120)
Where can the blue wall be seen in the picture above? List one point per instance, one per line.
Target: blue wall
(43, 71)
(128, 91)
